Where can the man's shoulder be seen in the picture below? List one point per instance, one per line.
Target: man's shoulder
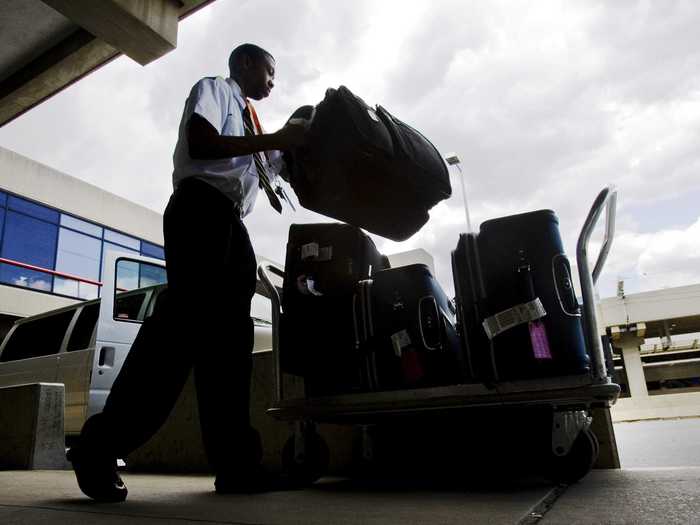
(218, 82)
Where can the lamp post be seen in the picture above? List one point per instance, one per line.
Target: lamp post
(453, 160)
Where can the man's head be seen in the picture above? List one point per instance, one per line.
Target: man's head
(253, 69)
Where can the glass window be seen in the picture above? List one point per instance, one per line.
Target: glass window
(3, 198)
(151, 275)
(82, 226)
(84, 327)
(73, 288)
(106, 248)
(30, 208)
(152, 250)
(38, 337)
(30, 241)
(127, 275)
(127, 305)
(124, 240)
(78, 254)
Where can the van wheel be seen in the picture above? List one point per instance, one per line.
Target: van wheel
(304, 469)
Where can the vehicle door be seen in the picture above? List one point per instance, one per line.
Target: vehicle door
(75, 365)
(130, 284)
(31, 349)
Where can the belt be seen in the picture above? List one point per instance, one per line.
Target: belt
(194, 185)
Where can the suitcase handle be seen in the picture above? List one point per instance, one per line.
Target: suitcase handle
(606, 199)
(265, 268)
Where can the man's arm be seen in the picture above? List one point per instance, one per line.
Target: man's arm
(205, 143)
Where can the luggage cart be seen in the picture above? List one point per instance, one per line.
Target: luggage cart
(574, 447)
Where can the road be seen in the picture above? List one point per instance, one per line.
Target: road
(662, 443)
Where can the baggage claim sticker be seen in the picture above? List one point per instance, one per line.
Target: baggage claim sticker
(530, 313)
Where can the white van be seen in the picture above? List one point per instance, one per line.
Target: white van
(84, 345)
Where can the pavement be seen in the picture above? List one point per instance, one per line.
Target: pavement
(653, 494)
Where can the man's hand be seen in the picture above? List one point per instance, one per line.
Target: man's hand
(291, 136)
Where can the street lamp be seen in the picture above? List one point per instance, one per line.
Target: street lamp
(453, 160)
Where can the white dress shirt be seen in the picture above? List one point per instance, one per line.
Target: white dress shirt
(220, 102)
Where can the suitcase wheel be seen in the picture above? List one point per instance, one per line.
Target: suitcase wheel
(310, 465)
(577, 463)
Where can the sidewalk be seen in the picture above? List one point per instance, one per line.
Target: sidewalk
(637, 496)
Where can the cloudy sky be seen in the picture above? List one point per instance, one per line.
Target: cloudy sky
(545, 103)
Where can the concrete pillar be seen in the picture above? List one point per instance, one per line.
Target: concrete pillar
(31, 427)
(602, 427)
(636, 382)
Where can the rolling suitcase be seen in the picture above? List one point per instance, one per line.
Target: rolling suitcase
(318, 336)
(357, 155)
(526, 304)
(470, 302)
(409, 326)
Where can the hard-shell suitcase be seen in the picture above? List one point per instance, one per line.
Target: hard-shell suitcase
(527, 307)
(470, 301)
(318, 337)
(356, 156)
(409, 325)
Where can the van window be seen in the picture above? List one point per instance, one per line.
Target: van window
(81, 337)
(136, 282)
(38, 337)
(127, 306)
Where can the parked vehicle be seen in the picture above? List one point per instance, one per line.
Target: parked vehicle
(84, 345)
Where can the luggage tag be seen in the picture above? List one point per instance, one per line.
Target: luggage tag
(307, 286)
(536, 328)
(538, 338)
(411, 367)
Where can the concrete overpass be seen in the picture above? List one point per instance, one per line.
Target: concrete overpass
(631, 319)
(47, 45)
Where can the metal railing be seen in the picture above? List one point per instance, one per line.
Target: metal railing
(606, 199)
(53, 273)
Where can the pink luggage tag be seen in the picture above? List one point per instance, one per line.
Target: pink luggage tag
(538, 338)
(411, 367)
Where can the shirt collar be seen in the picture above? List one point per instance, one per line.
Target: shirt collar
(237, 92)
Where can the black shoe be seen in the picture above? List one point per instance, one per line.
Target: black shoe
(254, 481)
(97, 476)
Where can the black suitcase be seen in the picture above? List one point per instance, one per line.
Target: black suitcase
(355, 157)
(526, 303)
(470, 302)
(318, 336)
(409, 326)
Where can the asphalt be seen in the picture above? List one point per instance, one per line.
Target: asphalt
(654, 494)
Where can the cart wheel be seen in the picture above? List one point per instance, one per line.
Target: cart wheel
(577, 463)
(308, 468)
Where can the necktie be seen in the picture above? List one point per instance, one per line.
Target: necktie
(259, 165)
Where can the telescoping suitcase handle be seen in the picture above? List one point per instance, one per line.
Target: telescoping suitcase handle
(265, 268)
(606, 199)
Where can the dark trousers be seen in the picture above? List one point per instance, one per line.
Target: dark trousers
(203, 324)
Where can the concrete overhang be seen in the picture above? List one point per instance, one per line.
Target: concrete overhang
(671, 311)
(47, 45)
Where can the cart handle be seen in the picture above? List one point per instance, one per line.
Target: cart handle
(266, 268)
(607, 199)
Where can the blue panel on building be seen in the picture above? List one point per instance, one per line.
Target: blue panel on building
(33, 209)
(152, 250)
(29, 240)
(81, 226)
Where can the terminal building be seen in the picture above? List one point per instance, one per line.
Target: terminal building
(54, 233)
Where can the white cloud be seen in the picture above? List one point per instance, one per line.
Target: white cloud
(545, 103)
